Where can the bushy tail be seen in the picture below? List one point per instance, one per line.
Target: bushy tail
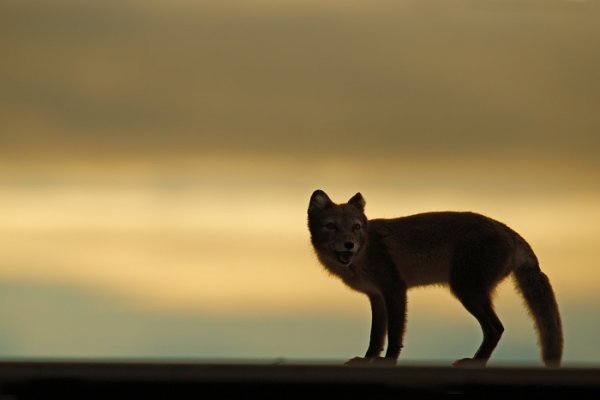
(541, 302)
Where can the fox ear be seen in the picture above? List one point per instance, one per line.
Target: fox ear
(318, 201)
(358, 201)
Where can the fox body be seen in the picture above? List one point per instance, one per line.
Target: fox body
(468, 252)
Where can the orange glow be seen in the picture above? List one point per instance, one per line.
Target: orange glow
(239, 249)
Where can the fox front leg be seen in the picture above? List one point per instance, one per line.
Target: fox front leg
(395, 305)
(378, 331)
(388, 311)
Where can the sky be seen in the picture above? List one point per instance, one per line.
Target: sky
(157, 157)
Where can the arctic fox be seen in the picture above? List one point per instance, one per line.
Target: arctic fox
(468, 252)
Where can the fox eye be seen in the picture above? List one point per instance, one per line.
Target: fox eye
(331, 226)
(356, 227)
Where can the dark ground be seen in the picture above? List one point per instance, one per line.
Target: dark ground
(178, 380)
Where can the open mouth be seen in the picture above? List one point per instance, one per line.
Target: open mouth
(345, 257)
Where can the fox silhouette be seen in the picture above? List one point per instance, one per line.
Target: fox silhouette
(468, 252)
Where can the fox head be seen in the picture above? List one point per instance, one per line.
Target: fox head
(338, 231)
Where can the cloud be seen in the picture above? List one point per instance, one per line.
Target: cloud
(123, 78)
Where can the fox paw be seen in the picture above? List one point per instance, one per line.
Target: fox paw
(358, 361)
(362, 361)
(469, 363)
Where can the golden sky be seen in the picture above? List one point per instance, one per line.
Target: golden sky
(163, 153)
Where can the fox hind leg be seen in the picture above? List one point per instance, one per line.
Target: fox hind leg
(480, 306)
(479, 263)
(477, 268)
